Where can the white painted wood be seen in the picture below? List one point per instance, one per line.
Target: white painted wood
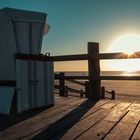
(43, 87)
(17, 36)
(21, 32)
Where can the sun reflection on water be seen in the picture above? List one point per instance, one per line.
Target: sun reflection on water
(127, 73)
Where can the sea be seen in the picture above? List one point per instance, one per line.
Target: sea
(124, 89)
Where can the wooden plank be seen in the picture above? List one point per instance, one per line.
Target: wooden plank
(76, 57)
(86, 123)
(52, 58)
(119, 55)
(82, 126)
(59, 99)
(136, 135)
(75, 90)
(90, 123)
(68, 104)
(120, 77)
(94, 71)
(99, 130)
(103, 77)
(41, 121)
(69, 120)
(83, 108)
(33, 57)
(135, 106)
(63, 108)
(76, 82)
(75, 77)
(70, 57)
(125, 127)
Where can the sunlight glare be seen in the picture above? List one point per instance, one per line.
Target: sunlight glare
(127, 44)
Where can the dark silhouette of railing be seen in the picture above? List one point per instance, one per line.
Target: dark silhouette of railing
(93, 88)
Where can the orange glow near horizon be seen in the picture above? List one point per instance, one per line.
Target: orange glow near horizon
(71, 66)
(127, 44)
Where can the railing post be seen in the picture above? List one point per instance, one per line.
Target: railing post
(113, 95)
(66, 91)
(61, 84)
(94, 71)
(82, 93)
(103, 92)
(86, 89)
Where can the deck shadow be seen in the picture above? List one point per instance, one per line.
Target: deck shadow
(63, 125)
(7, 121)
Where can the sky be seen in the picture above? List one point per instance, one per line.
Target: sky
(74, 23)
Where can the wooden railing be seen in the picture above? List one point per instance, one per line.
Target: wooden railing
(74, 79)
(64, 89)
(93, 57)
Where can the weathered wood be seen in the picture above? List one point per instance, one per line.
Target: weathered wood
(76, 82)
(120, 77)
(61, 84)
(119, 56)
(76, 57)
(40, 121)
(75, 118)
(69, 89)
(86, 123)
(33, 57)
(110, 92)
(52, 58)
(82, 109)
(113, 95)
(103, 92)
(124, 128)
(74, 77)
(99, 130)
(70, 57)
(136, 135)
(102, 77)
(75, 90)
(67, 122)
(101, 56)
(86, 89)
(94, 71)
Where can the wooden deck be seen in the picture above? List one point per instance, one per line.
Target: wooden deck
(75, 118)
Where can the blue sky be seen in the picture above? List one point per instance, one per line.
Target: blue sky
(76, 22)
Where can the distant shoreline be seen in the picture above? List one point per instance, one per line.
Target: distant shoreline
(103, 73)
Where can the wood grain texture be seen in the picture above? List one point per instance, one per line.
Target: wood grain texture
(75, 118)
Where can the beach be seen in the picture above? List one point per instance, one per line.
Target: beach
(124, 89)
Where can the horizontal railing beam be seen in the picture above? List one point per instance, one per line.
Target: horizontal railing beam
(73, 77)
(76, 57)
(70, 57)
(101, 77)
(76, 82)
(101, 56)
(120, 77)
(33, 57)
(119, 55)
(52, 58)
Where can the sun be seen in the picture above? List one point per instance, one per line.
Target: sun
(128, 44)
